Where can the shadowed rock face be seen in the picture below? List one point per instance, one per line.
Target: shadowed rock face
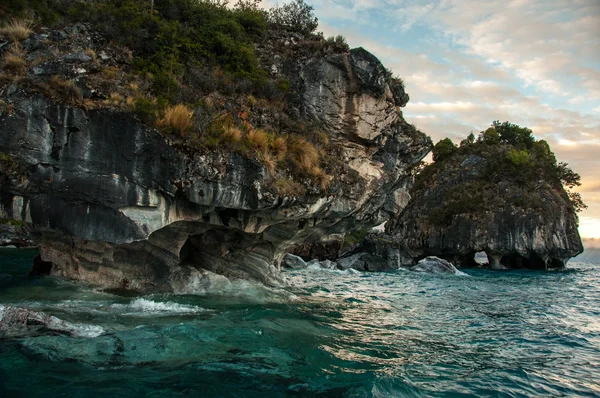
(114, 204)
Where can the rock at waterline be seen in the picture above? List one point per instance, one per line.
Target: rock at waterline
(293, 262)
(435, 265)
(328, 264)
(15, 321)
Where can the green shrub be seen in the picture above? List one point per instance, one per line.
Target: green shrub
(519, 158)
(354, 237)
(145, 109)
(490, 136)
(512, 155)
(283, 85)
(44, 11)
(15, 223)
(444, 149)
(179, 34)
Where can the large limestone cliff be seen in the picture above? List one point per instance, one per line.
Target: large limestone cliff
(114, 203)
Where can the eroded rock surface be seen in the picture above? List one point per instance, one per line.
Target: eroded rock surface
(14, 236)
(478, 200)
(19, 322)
(113, 203)
(435, 265)
(293, 262)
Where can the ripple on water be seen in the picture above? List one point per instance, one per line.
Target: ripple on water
(514, 334)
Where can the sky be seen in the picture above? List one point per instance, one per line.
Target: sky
(466, 63)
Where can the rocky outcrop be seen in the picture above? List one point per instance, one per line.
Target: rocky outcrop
(293, 262)
(376, 252)
(480, 200)
(14, 236)
(113, 203)
(20, 322)
(435, 265)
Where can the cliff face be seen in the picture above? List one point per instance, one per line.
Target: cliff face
(480, 200)
(114, 203)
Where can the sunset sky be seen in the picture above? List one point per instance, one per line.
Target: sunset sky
(466, 63)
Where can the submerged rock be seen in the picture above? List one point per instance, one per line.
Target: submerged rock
(376, 252)
(17, 322)
(328, 264)
(435, 265)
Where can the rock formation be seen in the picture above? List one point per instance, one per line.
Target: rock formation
(114, 203)
(491, 196)
(20, 322)
(16, 236)
(435, 265)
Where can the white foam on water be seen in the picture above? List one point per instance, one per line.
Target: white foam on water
(142, 307)
(83, 330)
(318, 268)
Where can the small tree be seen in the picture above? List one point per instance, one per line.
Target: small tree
(468, 141)
(248, 5)
(443, 150)
(490, 136)
(514, 135)
(296, 15)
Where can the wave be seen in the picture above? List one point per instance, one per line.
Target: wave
(143, 307)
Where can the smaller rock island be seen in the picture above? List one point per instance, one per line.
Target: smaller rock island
(503, 193)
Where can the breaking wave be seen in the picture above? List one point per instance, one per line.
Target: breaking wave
(143, 307)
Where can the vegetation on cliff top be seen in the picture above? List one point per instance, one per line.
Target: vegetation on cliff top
(504, 166)
(191, 68)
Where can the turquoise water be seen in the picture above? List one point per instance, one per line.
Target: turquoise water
(333, 333)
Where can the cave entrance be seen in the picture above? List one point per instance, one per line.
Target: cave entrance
(230, 252)
(556, 263)
(481, 258)
(516, 261)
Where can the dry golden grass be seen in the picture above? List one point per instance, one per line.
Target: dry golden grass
(14, 60)
(90, 53)
(65, 90)
(251, 100)
(16, 30)
(209, 102)
(89, 104)
(110, 72)
(115, 99)
(288, 187)
(131, 101)
(304, 154)
(232, 135)
(269, 162)
(322, 178)
(279, 148)
(178, 118)
(258, 140)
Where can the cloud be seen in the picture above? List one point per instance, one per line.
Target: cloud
(591, 243)
(466, 63)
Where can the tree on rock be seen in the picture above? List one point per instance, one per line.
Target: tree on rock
(296, 15)
(444, 149)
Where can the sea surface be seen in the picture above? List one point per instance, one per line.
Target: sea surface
(332, 333)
